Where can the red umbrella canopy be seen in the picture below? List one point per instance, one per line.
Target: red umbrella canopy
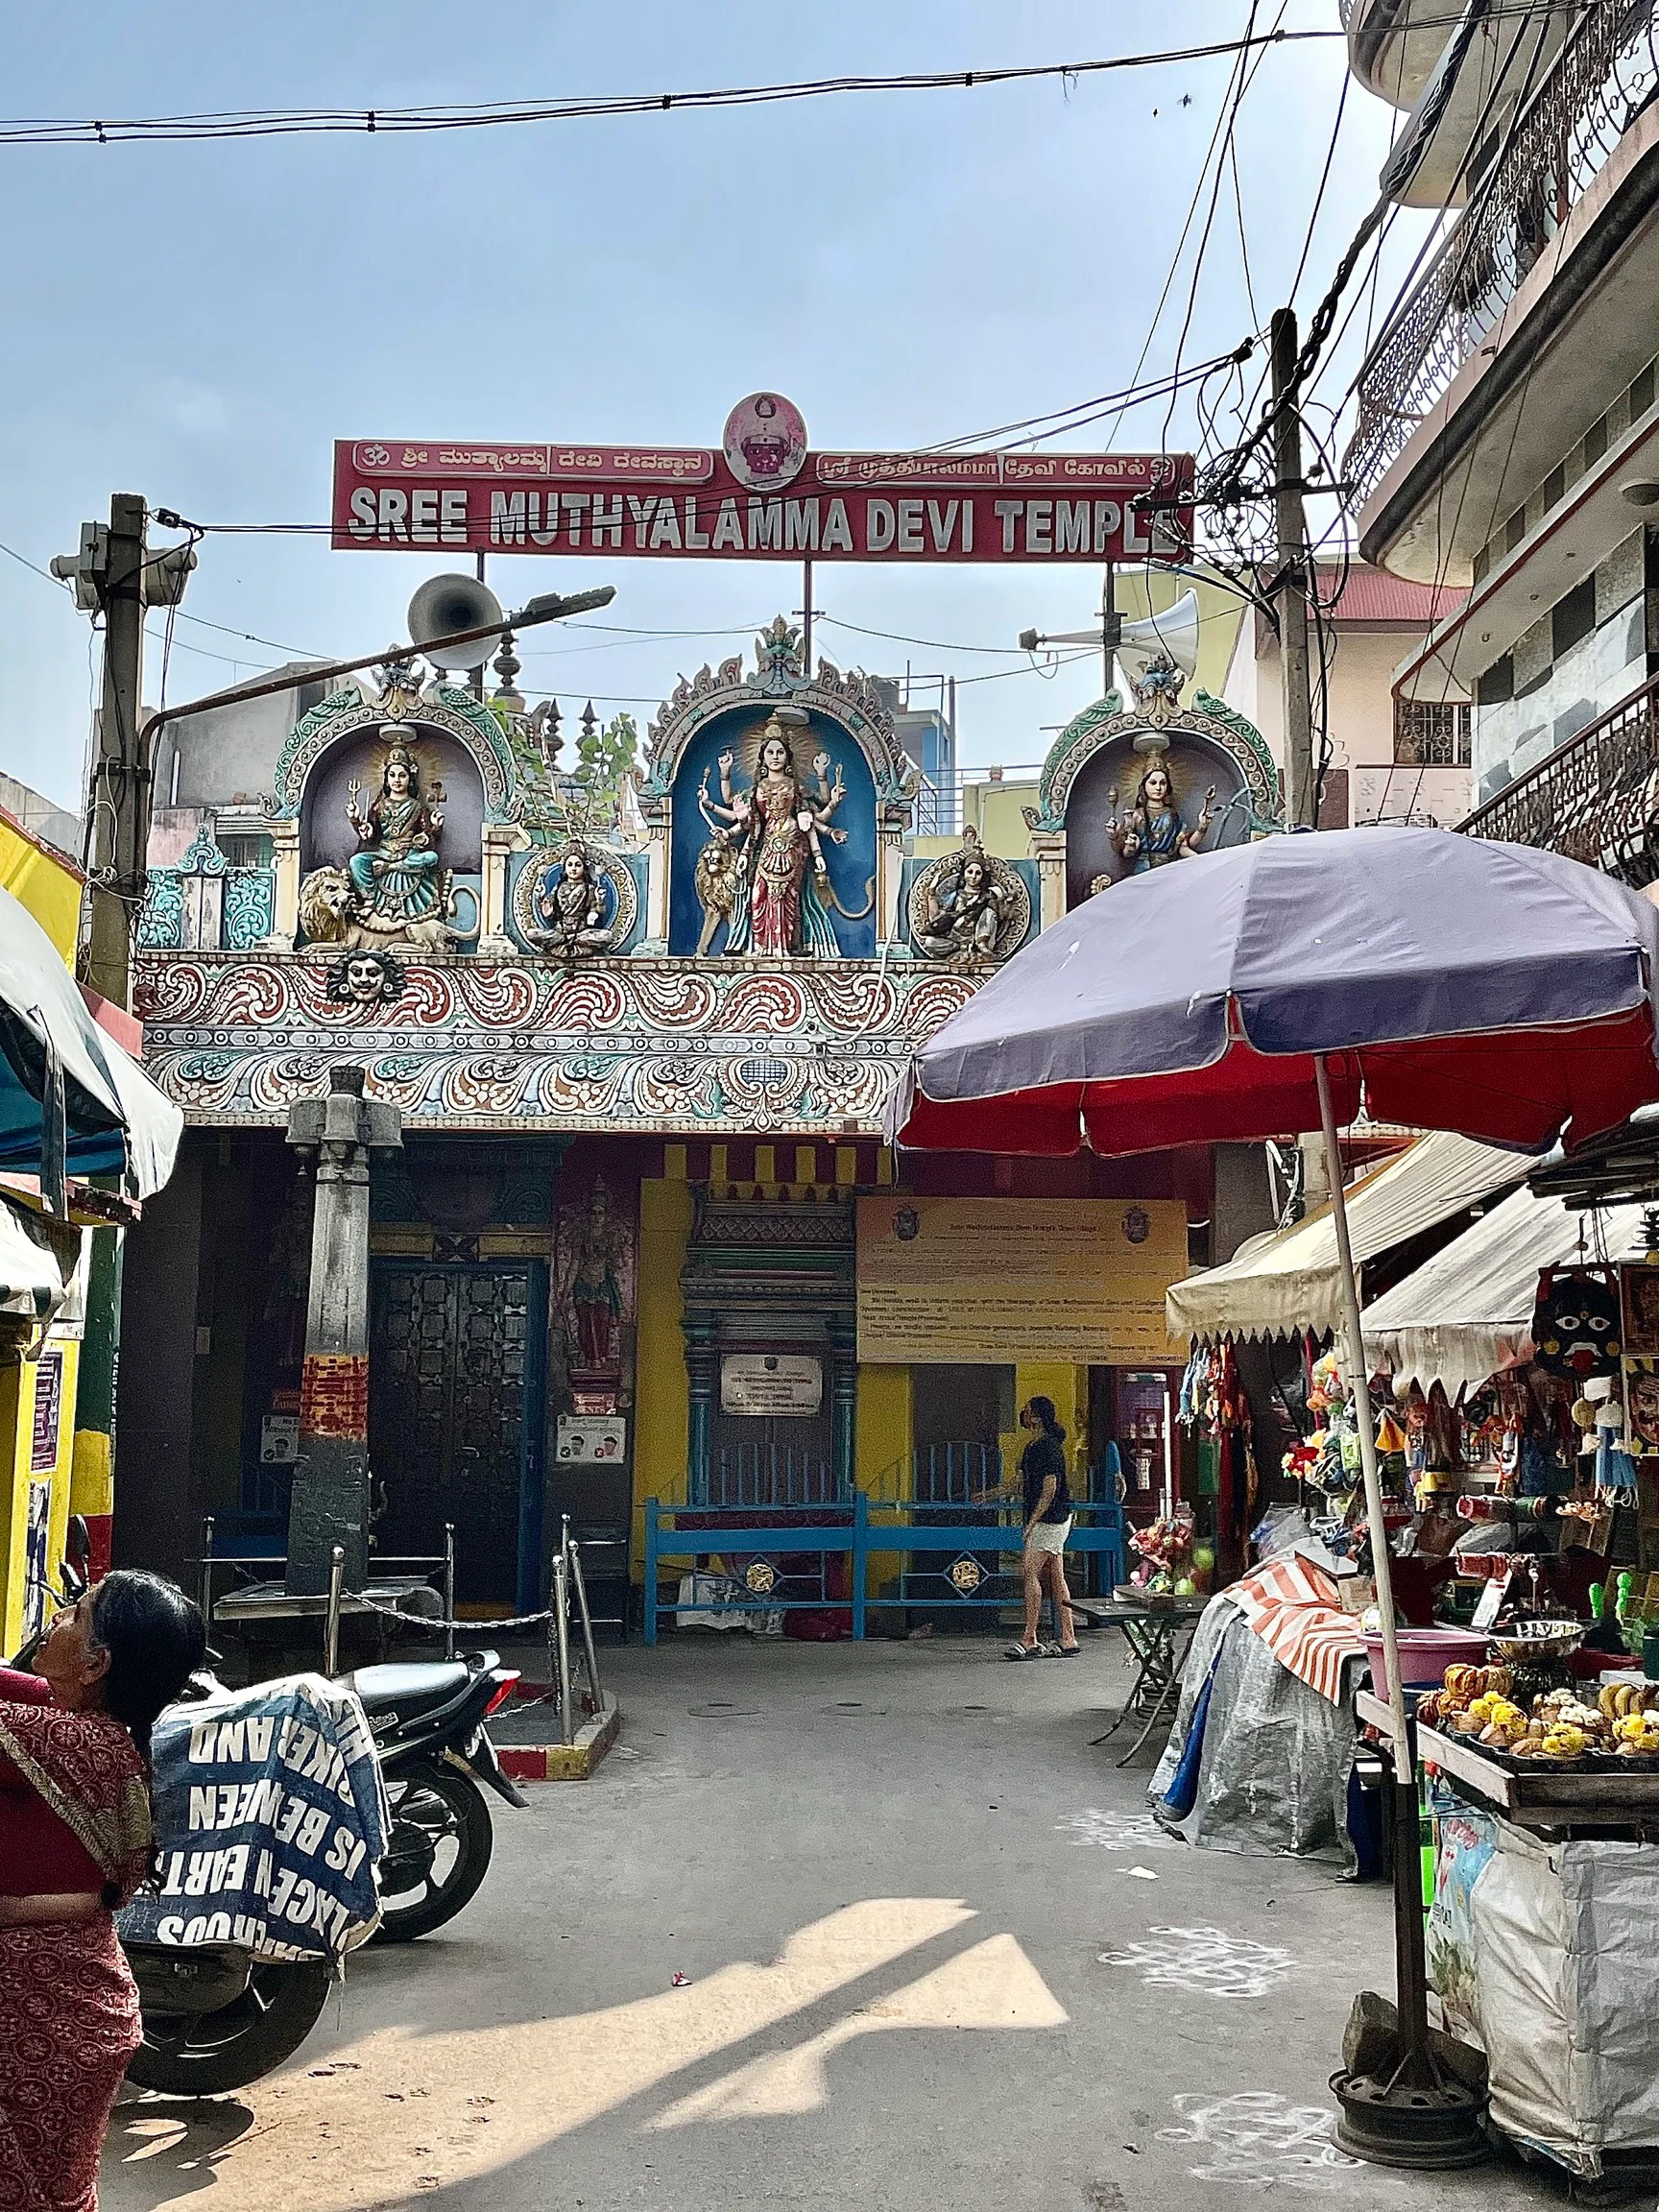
(1449, 983)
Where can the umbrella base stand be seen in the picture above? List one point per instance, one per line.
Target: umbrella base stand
(1419, 2108)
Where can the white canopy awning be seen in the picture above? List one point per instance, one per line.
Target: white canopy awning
(39, 1257)
(1467, 1313)
(1287, 1280)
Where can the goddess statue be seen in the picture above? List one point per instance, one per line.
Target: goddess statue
(1152, 833)
(967, 911)
(395, 873)
(783, 897)
(570, 905)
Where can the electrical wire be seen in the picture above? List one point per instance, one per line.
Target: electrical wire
(1242, 78)
(472, 115)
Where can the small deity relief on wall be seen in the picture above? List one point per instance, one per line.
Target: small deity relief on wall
(969, 905)
(393, 889)
(594, 1287)
(365, 980)
(1151, 833)
(763, 871)
(576, 902)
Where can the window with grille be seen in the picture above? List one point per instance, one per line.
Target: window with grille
(1431, 734)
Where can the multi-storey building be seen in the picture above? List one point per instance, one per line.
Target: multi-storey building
(1507, 445)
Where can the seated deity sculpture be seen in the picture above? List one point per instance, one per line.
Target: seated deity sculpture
(569, 907)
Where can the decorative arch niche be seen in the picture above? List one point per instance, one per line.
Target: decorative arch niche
(1109, 747)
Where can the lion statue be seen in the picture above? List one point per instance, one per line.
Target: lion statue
(716, 878)
(329, 914)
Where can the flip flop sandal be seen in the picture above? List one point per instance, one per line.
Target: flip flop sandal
(1068, 1652)
(1025, 1652)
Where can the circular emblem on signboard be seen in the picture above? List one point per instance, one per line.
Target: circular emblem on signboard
(906, 1224)
(1136, 1225)
(765, 440)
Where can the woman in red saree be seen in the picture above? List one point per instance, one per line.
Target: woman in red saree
(75, 1842)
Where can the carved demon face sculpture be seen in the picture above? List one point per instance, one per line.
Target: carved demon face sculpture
(1575, 1325)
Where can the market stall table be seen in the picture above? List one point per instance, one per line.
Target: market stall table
(1540, 1945)
(1149, 1627)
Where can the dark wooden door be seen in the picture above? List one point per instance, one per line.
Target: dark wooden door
(448, 1408)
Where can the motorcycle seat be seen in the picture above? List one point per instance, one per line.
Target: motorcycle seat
(416, 1686)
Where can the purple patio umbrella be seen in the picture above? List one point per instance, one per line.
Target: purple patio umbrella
(1440, 981)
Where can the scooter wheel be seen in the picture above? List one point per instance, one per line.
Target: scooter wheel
(206, 2054)
(441, 1838)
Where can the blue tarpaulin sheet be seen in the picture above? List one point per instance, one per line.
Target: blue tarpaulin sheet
(270, 1820)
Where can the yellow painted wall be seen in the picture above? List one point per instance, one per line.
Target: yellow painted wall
(1069, 1387)
(16, 1445)
(660, 1401)
(44, 885)
(884, 1446)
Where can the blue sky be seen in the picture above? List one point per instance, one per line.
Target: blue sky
(198, 322)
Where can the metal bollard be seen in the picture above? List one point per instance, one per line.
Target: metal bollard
(589, 1655)
(448, 1589)
(207, 1573)
(331, 1618)
(562, 1645)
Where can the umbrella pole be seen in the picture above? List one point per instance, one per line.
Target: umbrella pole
(1411, 1987)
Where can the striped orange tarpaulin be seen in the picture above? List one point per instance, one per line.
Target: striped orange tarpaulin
(1292, 1605)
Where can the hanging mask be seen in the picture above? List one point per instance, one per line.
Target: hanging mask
(1575, 1325)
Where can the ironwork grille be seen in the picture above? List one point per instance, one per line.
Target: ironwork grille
(1604, 77)
(1595, 798)
(1431, 734)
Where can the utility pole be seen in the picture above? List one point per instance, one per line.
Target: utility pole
(119, 827)
(1301, 770)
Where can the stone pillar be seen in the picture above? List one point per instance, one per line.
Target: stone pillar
(330, 1497)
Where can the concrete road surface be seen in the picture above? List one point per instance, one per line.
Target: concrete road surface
(935, 1955)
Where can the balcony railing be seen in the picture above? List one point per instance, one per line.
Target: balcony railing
(1604, 75)
(1595, 799)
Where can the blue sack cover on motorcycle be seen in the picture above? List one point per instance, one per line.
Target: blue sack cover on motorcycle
(271, 1817)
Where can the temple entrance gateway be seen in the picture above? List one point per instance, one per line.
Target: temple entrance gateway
(456, 1418)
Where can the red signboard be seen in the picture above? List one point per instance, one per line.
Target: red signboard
(674, 502)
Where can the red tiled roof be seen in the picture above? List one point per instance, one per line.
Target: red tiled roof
(1373, 596)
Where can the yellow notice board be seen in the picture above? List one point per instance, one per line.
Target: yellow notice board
(994, 1280)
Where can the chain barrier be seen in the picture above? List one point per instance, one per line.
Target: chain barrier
(424, 1620)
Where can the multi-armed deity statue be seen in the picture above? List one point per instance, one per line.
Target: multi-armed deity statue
(394, 889)
(766, 864)
(1152, 833)
(395, 873)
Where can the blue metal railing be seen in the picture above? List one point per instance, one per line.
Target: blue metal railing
(777, 1555)
(778, 1558)
(770, 1475)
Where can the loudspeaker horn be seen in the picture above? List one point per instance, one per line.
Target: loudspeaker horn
(1172, 637)
(445, 604)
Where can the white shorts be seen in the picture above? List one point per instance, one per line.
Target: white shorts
(1049, 1535)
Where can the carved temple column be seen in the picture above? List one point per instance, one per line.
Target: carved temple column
(285, 852)
(844, 1401)
(330, 1503)
(1049, 851)
(501, 840)
(700, 1364)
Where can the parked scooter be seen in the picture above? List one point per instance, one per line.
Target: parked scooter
(429, 1721)
(215, 2016)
